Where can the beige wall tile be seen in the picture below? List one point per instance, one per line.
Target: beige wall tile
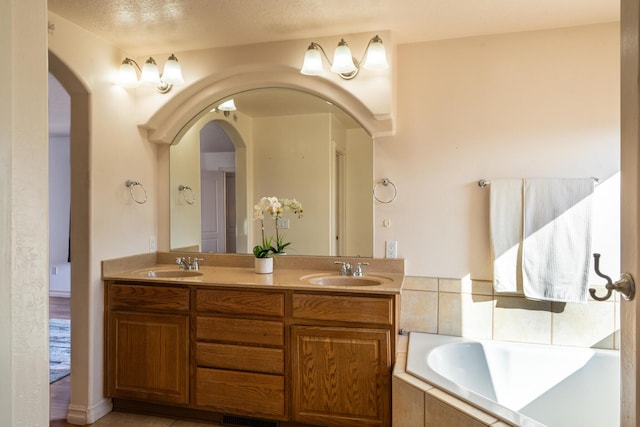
(413, 381)
(400, 364)
(482, 287)
(465, 315)
(419, 311)
(407, 405)
(584, 325)
(420, 283)
(522, 320)
(466, 285)
(444, 410)
(402, 343)
(450, 307)
(466, 307)
(453, 285)
(477, 316)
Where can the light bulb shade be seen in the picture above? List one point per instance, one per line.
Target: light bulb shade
(342, 59)
(228, 105)
(376, 55)
(127, 76)
(312, 65)
(150, 75)
(172, 73)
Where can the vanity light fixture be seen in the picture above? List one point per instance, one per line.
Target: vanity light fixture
(150, 75)
(344, 64)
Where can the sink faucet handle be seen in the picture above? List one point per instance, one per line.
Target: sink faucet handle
(358, 270)
(181, 262)
(345, 268)
(195, 264)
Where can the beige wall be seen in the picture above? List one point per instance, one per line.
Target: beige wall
(535, 104)
(539, 104)
(118, 225)
(24, 246)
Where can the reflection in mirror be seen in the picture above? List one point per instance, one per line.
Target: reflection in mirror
(278, 142)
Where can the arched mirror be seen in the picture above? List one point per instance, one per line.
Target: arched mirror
(277, 142)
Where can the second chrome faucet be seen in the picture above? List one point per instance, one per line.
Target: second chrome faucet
(188, 263)
(347, 269)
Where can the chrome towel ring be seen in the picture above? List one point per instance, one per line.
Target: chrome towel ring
(385, 182)
(189, 199)
(130, 184)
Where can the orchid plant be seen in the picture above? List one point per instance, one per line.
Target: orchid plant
(272, 207)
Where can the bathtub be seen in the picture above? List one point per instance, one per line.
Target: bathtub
(522, 384)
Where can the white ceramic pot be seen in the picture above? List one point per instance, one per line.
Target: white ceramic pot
(264, 265)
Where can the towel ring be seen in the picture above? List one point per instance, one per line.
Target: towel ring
(183, 189)
(385, 182)
(130, 185)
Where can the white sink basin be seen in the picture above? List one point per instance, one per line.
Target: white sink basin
(337, 280)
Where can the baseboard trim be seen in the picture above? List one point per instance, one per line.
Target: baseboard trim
(60, 294)
(81, 415)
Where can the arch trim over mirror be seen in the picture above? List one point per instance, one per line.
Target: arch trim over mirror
(170, 121)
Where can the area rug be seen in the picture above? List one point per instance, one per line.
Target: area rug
(59, 349)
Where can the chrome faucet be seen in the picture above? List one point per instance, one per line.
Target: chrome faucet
(358, 270)
(188, 263)
(346, 268)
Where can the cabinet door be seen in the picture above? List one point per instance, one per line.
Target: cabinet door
(148, 357)
(341, 376)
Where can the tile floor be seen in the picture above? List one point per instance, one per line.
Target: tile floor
(122, 419)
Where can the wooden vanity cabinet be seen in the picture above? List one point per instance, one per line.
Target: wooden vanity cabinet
(240, 356)
(299, 357)
(341, 359)
(147, 330)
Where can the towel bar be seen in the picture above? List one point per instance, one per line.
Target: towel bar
(484, 182)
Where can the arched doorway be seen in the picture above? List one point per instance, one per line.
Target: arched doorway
(79, 224)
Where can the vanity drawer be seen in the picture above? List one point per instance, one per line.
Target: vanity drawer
(242, 393)
(124, 295)
(240, 302)
(343, 308)
(242, 331)
(240, 357)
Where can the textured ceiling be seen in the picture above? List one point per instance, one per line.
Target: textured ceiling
(144, 27)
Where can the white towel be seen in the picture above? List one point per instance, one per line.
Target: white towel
(506, 233)
(556, 249)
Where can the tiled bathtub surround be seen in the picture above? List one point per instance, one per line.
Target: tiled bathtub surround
(418, 404)
(470, 308)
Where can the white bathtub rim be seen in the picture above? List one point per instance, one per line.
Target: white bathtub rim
(416, 367)
(420, 349)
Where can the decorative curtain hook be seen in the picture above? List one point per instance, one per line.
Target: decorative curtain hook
(626, 286)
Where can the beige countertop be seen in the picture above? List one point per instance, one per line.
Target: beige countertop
(381, 276)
